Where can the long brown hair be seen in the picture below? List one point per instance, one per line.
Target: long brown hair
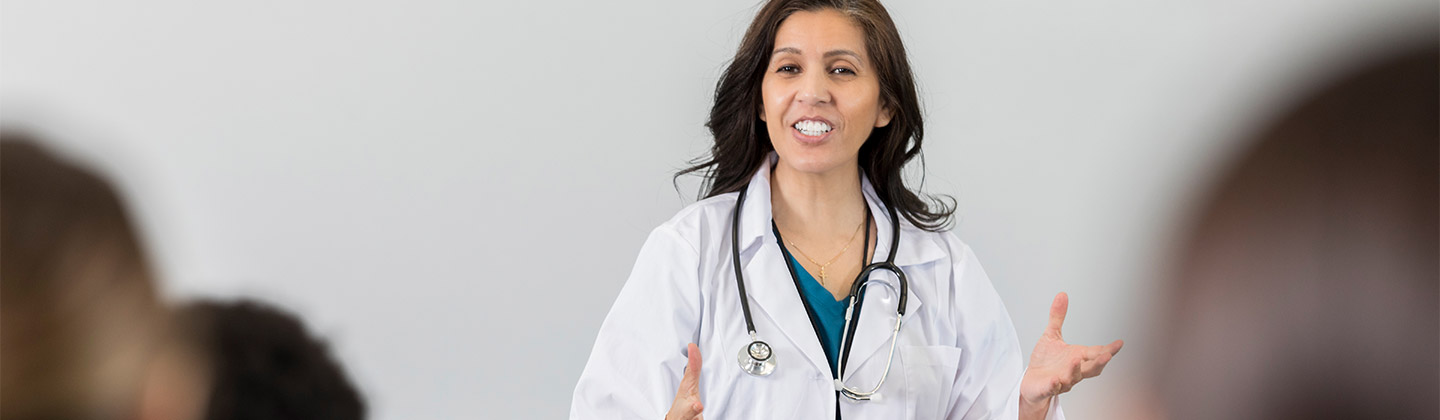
(741, 141)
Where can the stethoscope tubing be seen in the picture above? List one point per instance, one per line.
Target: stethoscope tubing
(848, 332)
(735, 261)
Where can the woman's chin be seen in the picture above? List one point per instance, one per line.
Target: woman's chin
(816, 160)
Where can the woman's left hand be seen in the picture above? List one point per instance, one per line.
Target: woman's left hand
(1055, 367)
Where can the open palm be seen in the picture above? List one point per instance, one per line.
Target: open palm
(1055, 367)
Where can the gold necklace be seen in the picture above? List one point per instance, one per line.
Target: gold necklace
(837, 256)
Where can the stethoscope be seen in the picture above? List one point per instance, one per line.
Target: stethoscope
(757, 358)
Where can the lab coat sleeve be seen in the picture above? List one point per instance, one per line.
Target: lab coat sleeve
(639, 356)
(988, 384)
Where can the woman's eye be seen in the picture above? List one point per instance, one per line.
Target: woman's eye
(842, 70)
(787, 69)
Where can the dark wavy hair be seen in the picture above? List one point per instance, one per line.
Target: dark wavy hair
(266, 365)
(742, 142)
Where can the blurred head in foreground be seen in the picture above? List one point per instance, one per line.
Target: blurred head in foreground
(1308, 287)
(265, 365)
(78, 309)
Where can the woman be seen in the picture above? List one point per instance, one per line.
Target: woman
(813, 121)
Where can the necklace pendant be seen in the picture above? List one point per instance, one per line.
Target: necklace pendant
(822, 274)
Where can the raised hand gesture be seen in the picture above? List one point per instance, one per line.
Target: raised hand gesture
(1055, 367)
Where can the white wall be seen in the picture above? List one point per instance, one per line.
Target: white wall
(454, 192)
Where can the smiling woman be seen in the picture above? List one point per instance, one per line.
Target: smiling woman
(814, 120)
(883, 82)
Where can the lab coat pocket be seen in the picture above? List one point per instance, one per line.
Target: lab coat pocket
(930, 373)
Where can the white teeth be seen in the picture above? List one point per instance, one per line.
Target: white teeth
(812, 128)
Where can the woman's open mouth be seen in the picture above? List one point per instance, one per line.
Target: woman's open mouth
(812, 130)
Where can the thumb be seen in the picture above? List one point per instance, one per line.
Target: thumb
(691, 380)
(1058, 308)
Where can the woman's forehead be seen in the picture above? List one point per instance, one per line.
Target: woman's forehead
(825, 32)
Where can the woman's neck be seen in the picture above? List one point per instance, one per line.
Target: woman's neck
(817, 205)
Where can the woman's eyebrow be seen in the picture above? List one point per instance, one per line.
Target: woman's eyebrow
(833, 53)
(791, 50)
(828, 54)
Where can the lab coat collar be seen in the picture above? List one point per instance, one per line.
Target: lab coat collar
(773, 291)
(917, 246)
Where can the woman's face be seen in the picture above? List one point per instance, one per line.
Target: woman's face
(821, 93)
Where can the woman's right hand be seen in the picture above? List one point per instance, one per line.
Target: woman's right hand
(687, 399)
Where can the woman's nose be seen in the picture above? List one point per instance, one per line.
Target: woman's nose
(814, 89)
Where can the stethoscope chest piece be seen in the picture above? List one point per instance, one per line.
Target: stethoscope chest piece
(757, 359)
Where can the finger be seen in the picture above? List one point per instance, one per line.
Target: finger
(690, 380)
(1092, 368)
(684, 408)
(1095, 365)
(1058, 307)
(1066, 384)
(692, 368)
(1094, 352)
(1077, 370)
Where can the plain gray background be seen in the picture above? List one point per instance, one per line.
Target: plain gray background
(453, 192)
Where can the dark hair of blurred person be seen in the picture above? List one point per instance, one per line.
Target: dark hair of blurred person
(267, 366)
(1308, 288)
(78, 308)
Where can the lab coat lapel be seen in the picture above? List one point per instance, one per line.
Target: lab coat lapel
(767, 278)
(775, 296)
(877, 316)
(877, 321)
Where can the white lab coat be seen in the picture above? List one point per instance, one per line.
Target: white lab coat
(957, 358)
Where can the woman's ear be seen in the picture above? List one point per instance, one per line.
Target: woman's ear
(884, 118)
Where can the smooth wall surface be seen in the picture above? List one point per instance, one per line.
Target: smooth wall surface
(453, 192)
